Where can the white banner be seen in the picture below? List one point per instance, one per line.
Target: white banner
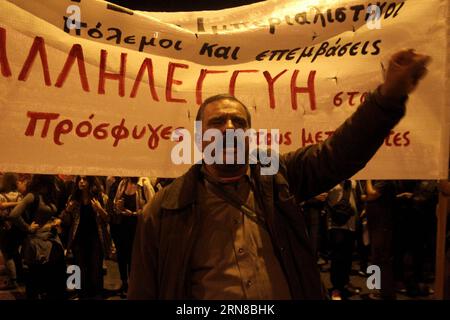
(87, 87)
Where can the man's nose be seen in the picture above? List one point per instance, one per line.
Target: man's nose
(229, 124)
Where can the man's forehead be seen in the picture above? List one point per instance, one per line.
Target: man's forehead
(223, 106)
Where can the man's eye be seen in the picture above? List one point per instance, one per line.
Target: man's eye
(241, 123)
(216, 121)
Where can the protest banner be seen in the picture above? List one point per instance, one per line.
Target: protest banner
(88, 87)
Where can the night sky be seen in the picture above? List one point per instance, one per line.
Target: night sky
(181, 5)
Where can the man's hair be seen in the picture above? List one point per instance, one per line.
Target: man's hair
(9, 182)
(223, 96)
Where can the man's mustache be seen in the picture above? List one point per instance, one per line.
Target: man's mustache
(233, 141)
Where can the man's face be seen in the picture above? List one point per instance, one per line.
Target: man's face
(22, 185)
(223, 115)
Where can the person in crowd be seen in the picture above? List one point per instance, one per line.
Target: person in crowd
(362, 231)
(444, 189)
(103, 181)
(111, 185)
(421, 228)
(380, 200)
(42, 249)
(342, 217)
(65, 185)
(10, 236)
(131, 196)
(313, 210)
(89, 239)
(226, 231)
(23, 183)
(402, 231)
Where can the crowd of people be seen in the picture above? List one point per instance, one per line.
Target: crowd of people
(387, 223)
(51, 221)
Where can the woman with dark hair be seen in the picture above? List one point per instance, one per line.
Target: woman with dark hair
(42, 249)
(89, 238)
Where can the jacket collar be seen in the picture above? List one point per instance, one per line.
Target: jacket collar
(182, 192)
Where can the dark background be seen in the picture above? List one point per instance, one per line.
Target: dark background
(181, 5)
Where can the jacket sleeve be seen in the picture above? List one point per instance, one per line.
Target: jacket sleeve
(16, 213)
(143, 283)
(317, 168)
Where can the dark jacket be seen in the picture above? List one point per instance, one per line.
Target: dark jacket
(168, 229)
(72, 219)
(37, 246)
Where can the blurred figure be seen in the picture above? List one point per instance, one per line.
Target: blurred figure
(444, 188)
(401, 234)
(362, 231)
(342, 216)
(102, 180)
(313, 210)
(380, 197)
(131, 197)
(111, 185)
(10, 236)
(65, 185)
(42, 249)
(23, 183)
(422, 228)
(89, 238)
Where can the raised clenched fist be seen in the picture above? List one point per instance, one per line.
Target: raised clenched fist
(406, 69)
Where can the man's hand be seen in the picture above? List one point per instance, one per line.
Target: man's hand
(405, 70)
(321, 197)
